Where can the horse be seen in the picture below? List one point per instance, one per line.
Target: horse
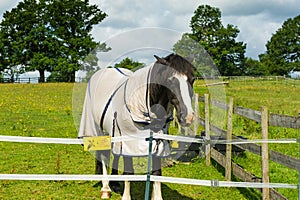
(119, 102)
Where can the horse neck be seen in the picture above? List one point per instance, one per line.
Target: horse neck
(158, 92)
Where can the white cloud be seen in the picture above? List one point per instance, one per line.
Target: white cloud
(140, 44)
(257, 20)
(255, 31)
(279, 8)
(7, 5)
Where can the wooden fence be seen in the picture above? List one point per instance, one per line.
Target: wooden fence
(266, 120)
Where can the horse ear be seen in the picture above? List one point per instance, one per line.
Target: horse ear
(161, 60)
(190, 58)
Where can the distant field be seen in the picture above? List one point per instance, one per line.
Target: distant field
(281, 97)
(45, 110)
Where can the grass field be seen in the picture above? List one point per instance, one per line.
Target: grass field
(45, 110)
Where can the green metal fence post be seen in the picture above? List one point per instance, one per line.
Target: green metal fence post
(147, 190)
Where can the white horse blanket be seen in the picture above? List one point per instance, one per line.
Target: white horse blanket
(121, 103)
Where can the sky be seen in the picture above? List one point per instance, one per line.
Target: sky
(257, 20)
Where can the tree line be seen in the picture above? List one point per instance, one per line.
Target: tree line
(48, 35)
(55, 36)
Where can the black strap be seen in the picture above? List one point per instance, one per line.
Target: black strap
(146, 97)
(108, 103)
(119, 70)
(116, 124)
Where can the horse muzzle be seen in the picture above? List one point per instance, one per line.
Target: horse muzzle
(186, 121)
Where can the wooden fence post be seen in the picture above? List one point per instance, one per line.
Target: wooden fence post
(179, 132)
(265, 152)
(207, 129)
(196, 114)
(229, 137)
(186, 131)
(174, 121)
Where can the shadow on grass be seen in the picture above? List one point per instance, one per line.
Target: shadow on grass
(248, 193)
(137, 191)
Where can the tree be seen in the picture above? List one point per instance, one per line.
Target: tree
(27, 38)
(11, 56)
(72, 21)
(254, 68)
(219, 41)
(129, 64)
(90, 63)
(49, 35)
(188, 47)
(283, 49)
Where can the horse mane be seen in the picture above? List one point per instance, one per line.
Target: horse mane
(160, 73)
(181, 65)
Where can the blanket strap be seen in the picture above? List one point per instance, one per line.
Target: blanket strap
(108, 103)
(147, 113)
(120, 71)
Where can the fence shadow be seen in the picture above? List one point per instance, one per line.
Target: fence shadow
(137, 190)
(248, 193)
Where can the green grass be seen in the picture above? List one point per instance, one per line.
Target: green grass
(37, 110)
(45, 110)
(280, 97)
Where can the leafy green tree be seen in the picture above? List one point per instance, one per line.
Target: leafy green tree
(219, 41)
(49, 35)
(254, 68)
(3, 53)
(10, 55)
(283, 49)
(188, 47)
(72, 21)
(90, 63)
(27, 38)
(129, 64)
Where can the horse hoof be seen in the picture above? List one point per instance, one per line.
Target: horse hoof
(105, 194)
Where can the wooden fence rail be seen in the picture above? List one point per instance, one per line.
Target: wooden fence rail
(266, 120)
(274, 120)
(275, 156)
(243, 175)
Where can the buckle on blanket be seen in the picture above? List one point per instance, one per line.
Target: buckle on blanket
(154, 139)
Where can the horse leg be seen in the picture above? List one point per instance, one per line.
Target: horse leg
(156, 171)
(128, 169)
(98, 167)
(115, 185)
(103, 160)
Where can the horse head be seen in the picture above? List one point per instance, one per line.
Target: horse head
(172, 80)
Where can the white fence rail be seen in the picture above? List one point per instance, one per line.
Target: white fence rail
(48, 140)
(212, 183)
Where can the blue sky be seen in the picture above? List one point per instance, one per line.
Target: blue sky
(257, 20)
